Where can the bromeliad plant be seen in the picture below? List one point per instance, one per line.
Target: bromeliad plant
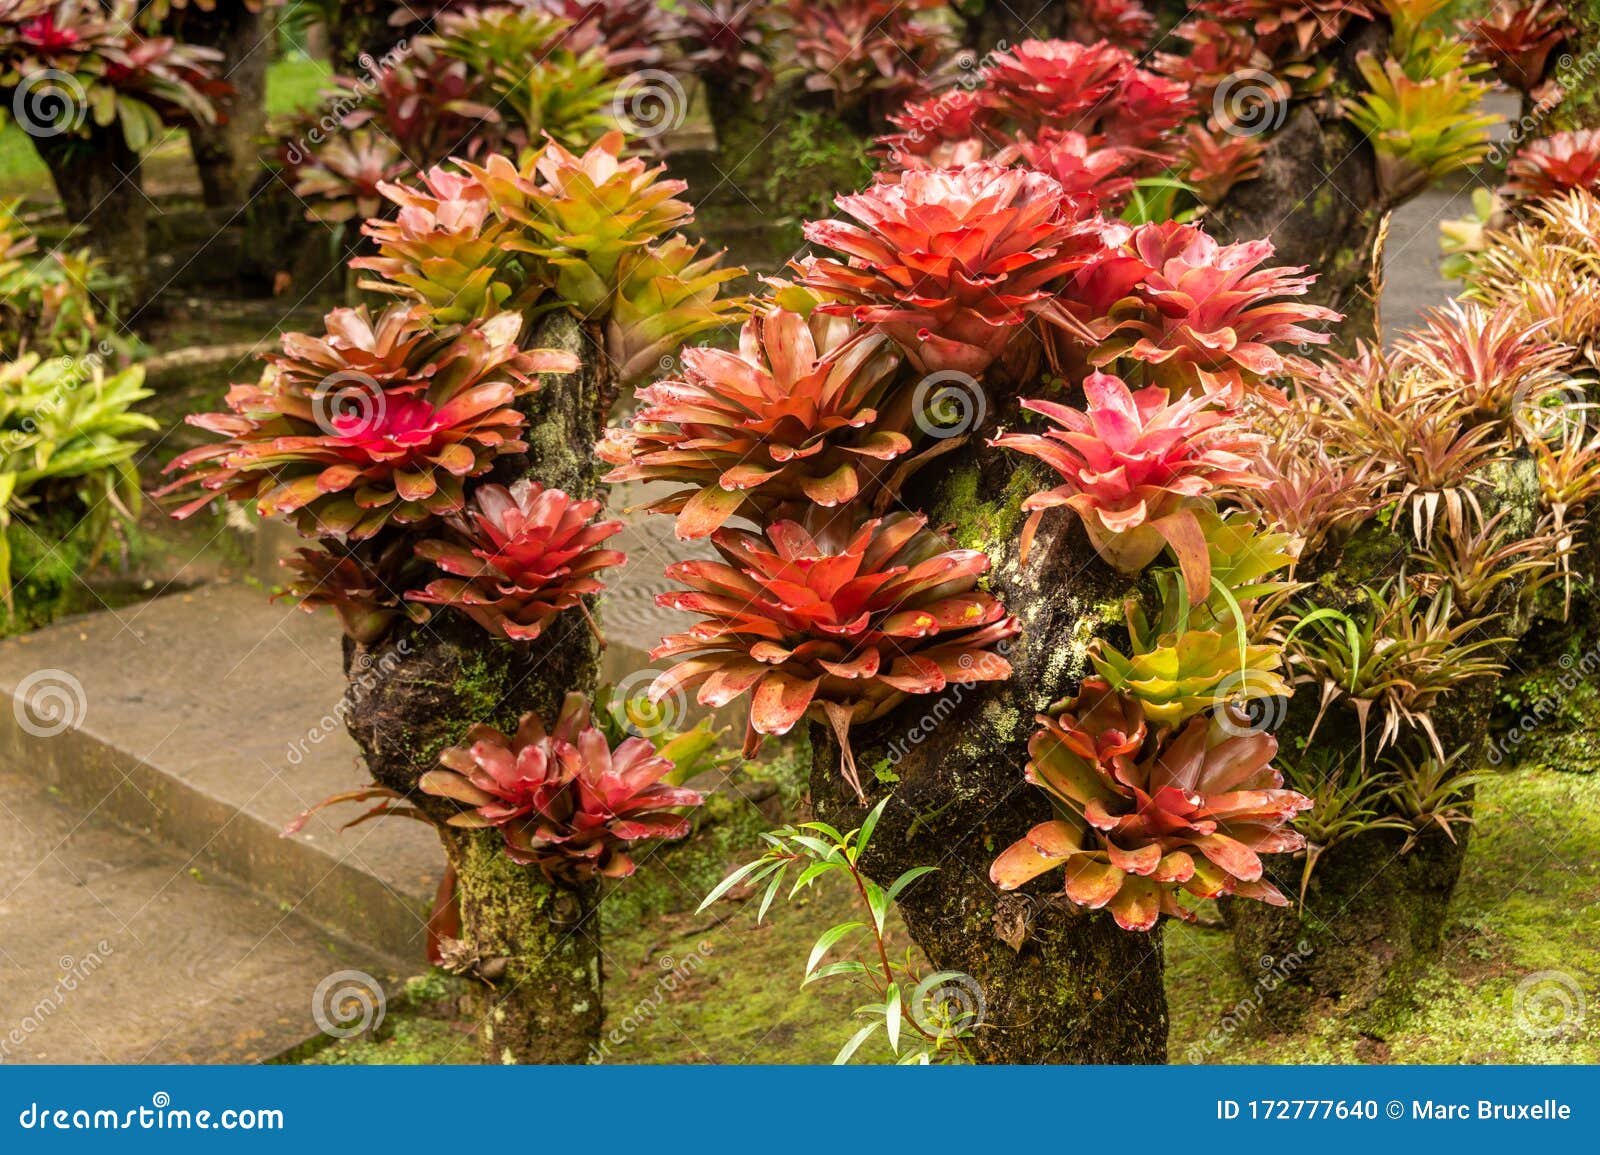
(1144, 816)
(1550, 166)
(1136, 466)
(866, 54)
(946, 262)
(1517, 38)
(793, 415)
(47, 301)
(142, 84)
(382, 421)
(827, 620)
(68, 436)
(923, 1017)
(1421, 122)
(1165, 304)
(518, 557)
(561, 798)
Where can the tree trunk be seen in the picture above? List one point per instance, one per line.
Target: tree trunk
(999, 25)
(1375, 912)
(1373, 918)
(360, 33)
(1317, 199)
(100, 183)
(534, 943)
(227, 153)
(1577, 70)
(1058, 984)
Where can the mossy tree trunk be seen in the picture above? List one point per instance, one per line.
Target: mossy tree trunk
(1317, 197)
(227, 153)
(1375, 910)
(1059, 984)
(533, 943)
(1577, 69)
(100, 182)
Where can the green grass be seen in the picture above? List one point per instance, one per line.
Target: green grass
(295, 83)
(1526, 904)
(292, 83)
(22, 173)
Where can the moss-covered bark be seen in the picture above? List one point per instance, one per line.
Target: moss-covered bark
(1374, 912)
(100, 182)
(1317, 197)
(533, 944)
(1059, 985)
(1577, 69)
(227, 154)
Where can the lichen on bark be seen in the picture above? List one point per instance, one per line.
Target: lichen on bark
(1059, 984)
(532, 943)
(1374, 911)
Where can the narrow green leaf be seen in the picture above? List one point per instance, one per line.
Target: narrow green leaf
(891, 1017)
(810, 874)
(855, 1042)
(830, 936)
(899, 885)
(870, 825)
(729, 883)
(844, 967)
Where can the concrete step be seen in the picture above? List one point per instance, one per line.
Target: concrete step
(115, 950)
(207, 720)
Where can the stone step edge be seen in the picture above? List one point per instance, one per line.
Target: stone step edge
(308, 880)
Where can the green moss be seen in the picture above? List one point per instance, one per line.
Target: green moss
(791, 161)
(977, 524)
(50, 559)
(1523, 913)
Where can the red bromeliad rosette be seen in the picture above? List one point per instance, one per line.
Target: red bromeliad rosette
(1143, 816)
(945, 261)
(836, 624)
(562, 799)
(520, 557)
(1134, 467)
(797, 413)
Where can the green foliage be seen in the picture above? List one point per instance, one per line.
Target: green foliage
(65, 439)
(1422, 121)
(918, 1028)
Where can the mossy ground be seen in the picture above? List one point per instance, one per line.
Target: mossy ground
(683, 987)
